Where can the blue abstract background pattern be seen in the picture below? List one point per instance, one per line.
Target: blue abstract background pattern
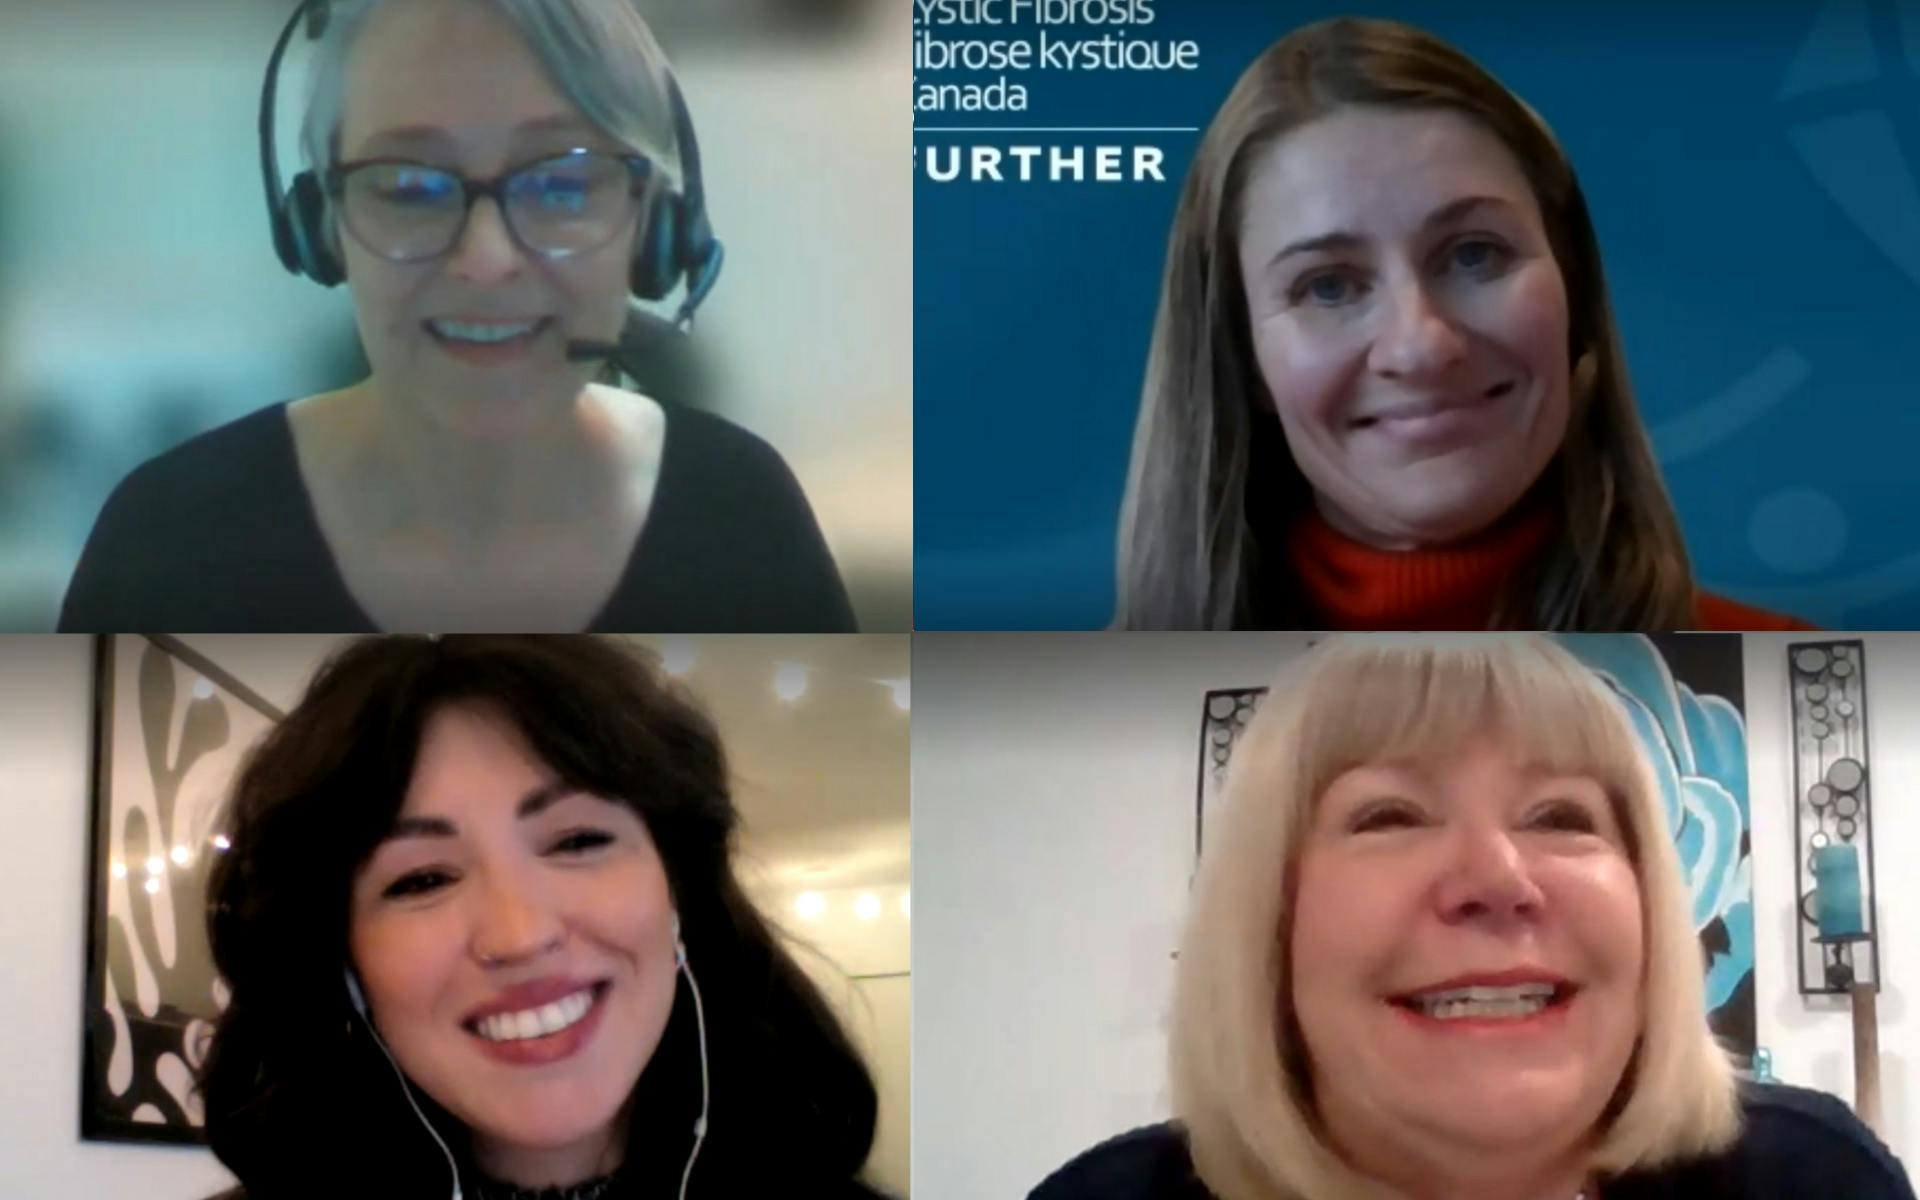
(1697, 745)
(1753, 184)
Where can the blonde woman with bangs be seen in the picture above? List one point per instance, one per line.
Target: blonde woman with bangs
(1439, 949)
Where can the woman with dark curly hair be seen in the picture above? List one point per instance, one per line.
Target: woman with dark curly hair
(469, 884)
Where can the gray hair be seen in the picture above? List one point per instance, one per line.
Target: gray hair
(600, 54)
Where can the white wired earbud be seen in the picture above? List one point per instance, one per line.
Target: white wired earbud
(700, 1023)
(359, 1000)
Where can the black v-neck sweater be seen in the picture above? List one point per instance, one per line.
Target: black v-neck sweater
(220, 535)
(1795, 1144)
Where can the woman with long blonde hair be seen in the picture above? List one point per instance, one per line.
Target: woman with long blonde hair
(1385, 387)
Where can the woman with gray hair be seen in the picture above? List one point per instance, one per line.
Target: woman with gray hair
(1439, 948)
(493, 179)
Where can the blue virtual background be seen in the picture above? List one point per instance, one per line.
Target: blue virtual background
(1750, 168)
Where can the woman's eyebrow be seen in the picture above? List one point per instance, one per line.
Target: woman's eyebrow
(408, 135)
(1545, 771)
(440, 135)
(532, 804)
(1341, 239)
(556, 123)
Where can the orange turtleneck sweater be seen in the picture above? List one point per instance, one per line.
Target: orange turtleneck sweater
(1355, 586)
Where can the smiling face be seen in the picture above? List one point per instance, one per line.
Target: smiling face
(500, 888)
(1409, 320)
(1424, 875)
(449, 83)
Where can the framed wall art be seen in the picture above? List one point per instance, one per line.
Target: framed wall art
(170, 728)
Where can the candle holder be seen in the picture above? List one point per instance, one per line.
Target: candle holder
(1833, 818)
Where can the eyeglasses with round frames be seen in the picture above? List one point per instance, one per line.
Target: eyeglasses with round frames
(555, 207)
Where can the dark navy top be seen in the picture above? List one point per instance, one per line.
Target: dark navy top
(219, 534)
(1795, 1144)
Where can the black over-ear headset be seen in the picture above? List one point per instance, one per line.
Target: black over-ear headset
(677, 240)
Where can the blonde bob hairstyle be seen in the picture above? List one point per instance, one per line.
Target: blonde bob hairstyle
(1241, 1078)
(1212, 487)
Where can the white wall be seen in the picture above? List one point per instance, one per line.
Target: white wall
(812, 323)
(1053, 784)
(1053, 840)
(1812, 1037)
(46, 705)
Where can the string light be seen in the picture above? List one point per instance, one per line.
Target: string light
(867, 907)
(677, 655)
(790, 681)
(810, 905)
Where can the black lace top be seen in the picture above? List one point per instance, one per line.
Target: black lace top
(591, 1189)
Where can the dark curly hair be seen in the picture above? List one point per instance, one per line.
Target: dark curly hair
(299, 1101)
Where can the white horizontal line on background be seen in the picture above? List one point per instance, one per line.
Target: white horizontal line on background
(1059, 129)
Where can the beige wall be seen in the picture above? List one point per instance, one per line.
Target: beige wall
(863, 966)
